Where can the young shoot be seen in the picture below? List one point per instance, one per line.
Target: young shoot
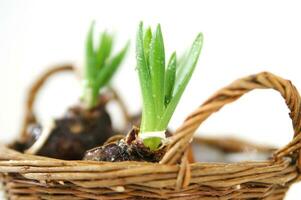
(100, 66)
(161, 85)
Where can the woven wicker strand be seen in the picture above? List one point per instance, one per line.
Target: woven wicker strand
(33, 177)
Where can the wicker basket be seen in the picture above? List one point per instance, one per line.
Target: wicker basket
(33, 177)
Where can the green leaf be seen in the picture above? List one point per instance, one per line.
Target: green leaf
(148, 113)
(104, 49)
(90, 54)
(157, 70)
(170, 77)
(106, 73)
(183, 79)
(161, 89)
(146, 43)
(99, 69)
(181, 62)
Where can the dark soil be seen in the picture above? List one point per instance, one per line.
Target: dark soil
(129, 148)
(75, 133)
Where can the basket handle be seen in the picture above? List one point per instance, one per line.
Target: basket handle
(30, 117)
(265, 80)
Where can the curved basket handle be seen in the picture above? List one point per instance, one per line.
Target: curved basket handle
(265, 80)
(30, 117)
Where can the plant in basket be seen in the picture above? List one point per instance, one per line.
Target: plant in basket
(87, 124)
(162, 87)
(26, 176)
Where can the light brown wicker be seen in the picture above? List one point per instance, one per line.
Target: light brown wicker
(33, 177)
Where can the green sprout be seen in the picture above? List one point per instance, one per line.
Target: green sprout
(100, 66)
(161, 86)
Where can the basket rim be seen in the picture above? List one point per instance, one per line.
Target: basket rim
(12, 157)
(282, 168)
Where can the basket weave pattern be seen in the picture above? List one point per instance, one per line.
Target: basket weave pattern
(33, 177)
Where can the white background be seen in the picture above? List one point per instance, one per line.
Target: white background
(241, 38)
